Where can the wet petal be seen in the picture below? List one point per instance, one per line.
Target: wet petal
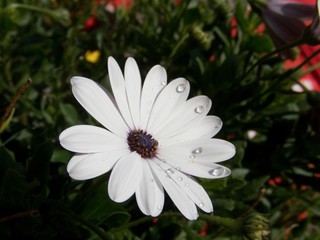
(93, 98)
(200, 150)
(185, 205)
(168, 101)
(186, 116)
(193, 189)
(156, 80)
(90, 139)
(198, 157)
(125, 177)
(149, 194)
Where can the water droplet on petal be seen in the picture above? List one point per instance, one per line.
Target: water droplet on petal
(181, 87)
(186, 184)
(199, 109)
(170, 171)
(201, 205)
(218, 171)
(159, 207)
(179, 178)
(149, 102)
(192, 156)
(197, 150)
(178, 168)
(163, 83)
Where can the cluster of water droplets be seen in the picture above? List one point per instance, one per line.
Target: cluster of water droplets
(217, 171)
(180, 180)
(195, 152)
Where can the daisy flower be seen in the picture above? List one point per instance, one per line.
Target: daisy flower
(153, 138)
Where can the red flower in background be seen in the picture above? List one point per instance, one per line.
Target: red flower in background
(90, 23)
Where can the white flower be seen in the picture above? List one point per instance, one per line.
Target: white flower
(154, 139)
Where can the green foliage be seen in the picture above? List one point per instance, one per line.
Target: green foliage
(47, 41)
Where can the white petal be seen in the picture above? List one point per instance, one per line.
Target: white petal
(90, 139)
(200, 150)
(155, 81)
(133, 88)
(119, 90)
(125, 177)
(87, 166)
(193, 189)
(171, 98)
(97, 103)
(206, 128)
(198, 157)
(149, 194)
(185, 205)
(189, 114)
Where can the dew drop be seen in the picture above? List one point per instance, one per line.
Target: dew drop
(179, 178)
(170, 171)
(192, 156)
(201, 205)
(159, 207)
(186, 184)
(149, 102)
(178, 168)
(181, 87)
(163, 83)
(218, 171)
(197, 150)
(199, 109)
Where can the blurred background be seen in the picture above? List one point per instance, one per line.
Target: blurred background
(257, 60)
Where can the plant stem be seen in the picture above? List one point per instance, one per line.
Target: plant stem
(268, 55)
(99, 231)
(232, 225)
(130, 224)
(14, 101)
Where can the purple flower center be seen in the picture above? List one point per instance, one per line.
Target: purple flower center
(143, 143)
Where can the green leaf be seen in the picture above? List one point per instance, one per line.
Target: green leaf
(6, 122)
(224, 203)
(69, 113)
(99, 208)
(251, 189)
(240, 151)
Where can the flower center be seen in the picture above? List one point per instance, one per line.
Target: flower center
(143, 143)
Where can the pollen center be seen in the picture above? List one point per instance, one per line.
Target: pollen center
(143, 143)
